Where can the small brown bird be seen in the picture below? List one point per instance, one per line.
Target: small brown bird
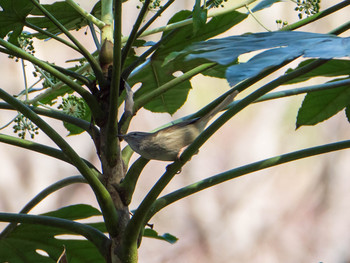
(168, 143)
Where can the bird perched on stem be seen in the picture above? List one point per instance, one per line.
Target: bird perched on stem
(168, 143)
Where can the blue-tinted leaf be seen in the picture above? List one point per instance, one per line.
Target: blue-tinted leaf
(282, 46)
(321, 105)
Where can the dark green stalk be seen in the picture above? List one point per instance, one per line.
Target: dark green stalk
(317, 16)
(41, 196)
(127, 187)
(102, 195)
(112, 144)
(39, 148)
(92, 234)
(133, 34)
(170, 198)
(93, 62)
(94, 35)
(90, 100)
(47, 33)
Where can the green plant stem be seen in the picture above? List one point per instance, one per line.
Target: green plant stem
(39, 148)
(41, 196)
(133, 34)
(315, 17)
(127, 187)
(93, 62)
(47, 33)
(103, 197)
(170, 198)
(298, 91)
(86, 14)
(90, 100)
(256, 19)
(91, 233)
(113, 146)
(107, 18)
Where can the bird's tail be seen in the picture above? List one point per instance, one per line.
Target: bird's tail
(222, 105)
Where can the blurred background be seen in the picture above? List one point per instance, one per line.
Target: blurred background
(296, 212)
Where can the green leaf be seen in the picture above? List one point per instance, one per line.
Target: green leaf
(321, 105)
(165, 237)
(156, 73)
(21, 244)
(12, 17)
(333, 68)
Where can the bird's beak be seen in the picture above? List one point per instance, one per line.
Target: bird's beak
(121, 137)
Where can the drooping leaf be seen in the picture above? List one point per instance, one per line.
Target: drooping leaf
(281, 46)
(12, 17)
(321, 105)
(165, 237)
(333, 68)
(156, 73)
(21, 244)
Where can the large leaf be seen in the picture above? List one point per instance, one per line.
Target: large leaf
(155, 73)
(333, 68)
(12, 17)
(321, 105)
(281, 46)
(21, 244)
